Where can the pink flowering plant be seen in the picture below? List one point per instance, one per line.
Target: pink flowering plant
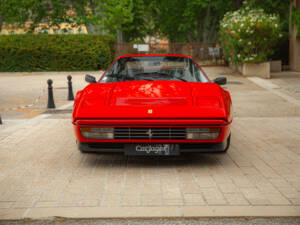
(248, 35)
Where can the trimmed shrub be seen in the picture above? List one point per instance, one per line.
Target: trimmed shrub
(249, 35)
(61, 52)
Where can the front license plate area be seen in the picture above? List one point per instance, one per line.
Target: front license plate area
(152, 149)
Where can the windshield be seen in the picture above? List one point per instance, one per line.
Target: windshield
(154, 68)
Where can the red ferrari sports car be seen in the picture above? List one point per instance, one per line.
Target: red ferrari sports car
(153, 105)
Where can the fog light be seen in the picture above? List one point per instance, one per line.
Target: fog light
(97, 132)
(202, 133)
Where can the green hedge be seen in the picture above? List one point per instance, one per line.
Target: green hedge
(62, 52)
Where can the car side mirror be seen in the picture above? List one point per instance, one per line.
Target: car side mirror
(90, 79)
(220, 80)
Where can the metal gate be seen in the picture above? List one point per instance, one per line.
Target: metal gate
(206, 54)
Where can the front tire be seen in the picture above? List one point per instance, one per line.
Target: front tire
(227, 144)
(83, 147)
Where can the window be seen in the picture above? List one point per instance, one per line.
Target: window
(42, 31)
(80, 31)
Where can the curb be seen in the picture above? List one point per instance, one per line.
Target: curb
(151, 212)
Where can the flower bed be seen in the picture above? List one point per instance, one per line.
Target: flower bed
(248, 35)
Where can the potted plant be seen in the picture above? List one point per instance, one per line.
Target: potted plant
(248, 37)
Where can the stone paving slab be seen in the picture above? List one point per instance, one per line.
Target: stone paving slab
(20, 89)
(44, 175)
(288, 81)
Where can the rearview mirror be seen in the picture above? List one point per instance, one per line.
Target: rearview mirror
(220, 80)
(90, 79)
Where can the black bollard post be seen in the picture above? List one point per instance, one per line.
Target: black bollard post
(70, 94)
(0, 120)
(51, 104)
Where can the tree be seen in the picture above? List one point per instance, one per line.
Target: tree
(51, 12)
(116, 15)
(193, 20)
(178, 20)
(14, 12)
(127, 19)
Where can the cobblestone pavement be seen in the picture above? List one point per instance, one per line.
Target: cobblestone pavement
(44, 175)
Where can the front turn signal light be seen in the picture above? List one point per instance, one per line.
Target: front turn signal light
(97, 132)
(202, 133)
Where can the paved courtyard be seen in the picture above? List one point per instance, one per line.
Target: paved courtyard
(44, 175)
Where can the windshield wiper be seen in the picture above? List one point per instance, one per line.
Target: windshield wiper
(119, 76)
(152, 73)
(179, 78)
(114, 75)
(163, 74)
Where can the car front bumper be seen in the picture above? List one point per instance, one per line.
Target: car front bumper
(186, 145)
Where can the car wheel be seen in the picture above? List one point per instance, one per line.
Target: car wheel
(227, 144)
(83, 147)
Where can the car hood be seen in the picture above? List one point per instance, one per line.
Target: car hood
(151, 99)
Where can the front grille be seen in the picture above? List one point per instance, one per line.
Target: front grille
(149, 133)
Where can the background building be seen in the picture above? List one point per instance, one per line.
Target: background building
(63, 28)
